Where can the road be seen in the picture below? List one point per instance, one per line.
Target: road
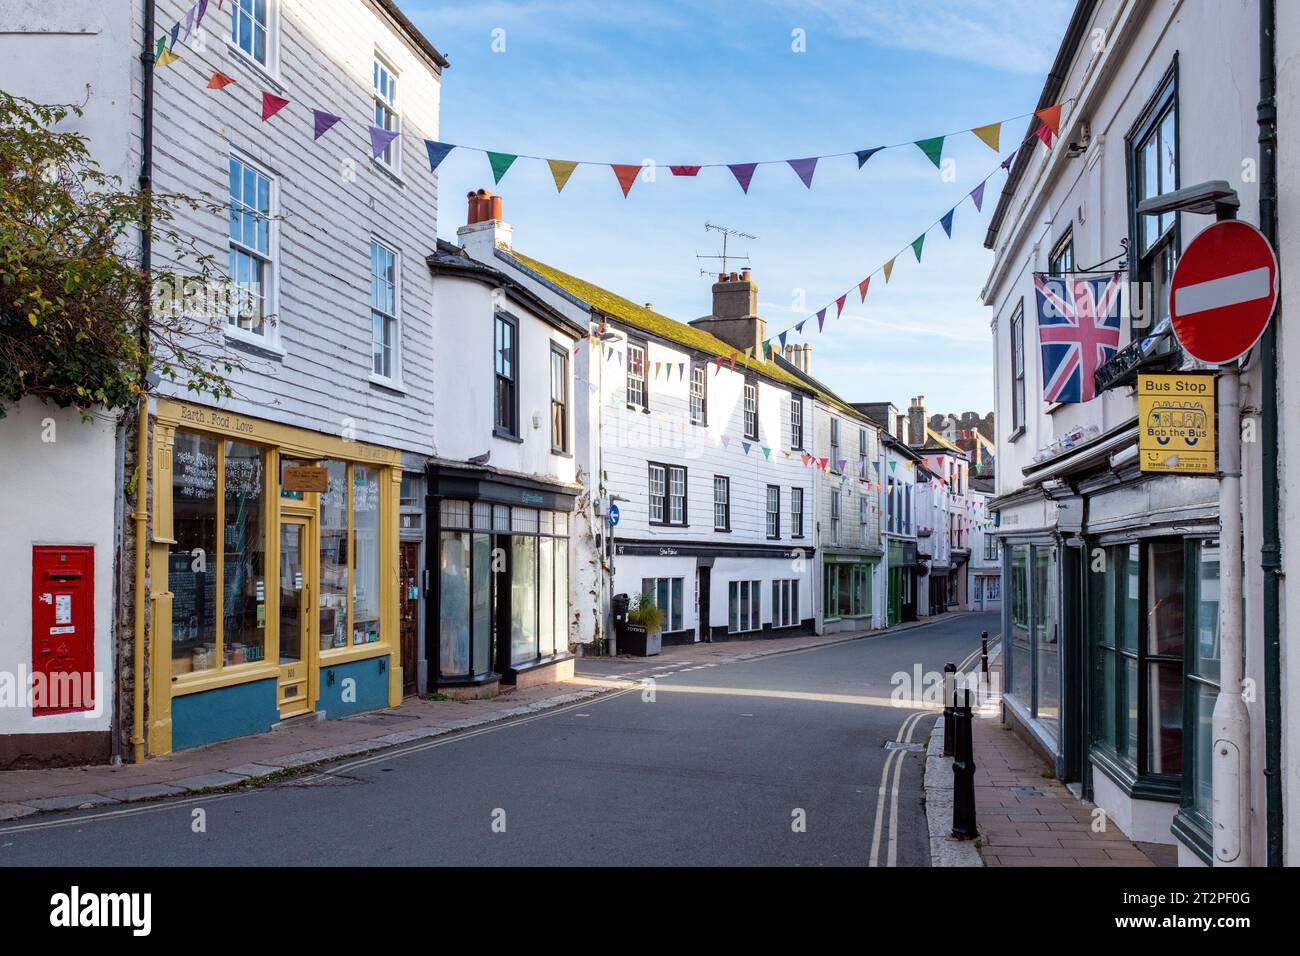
(774, 761)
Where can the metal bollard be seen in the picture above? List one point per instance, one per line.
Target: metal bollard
(949, 700)
(963, 775)
(984, 655)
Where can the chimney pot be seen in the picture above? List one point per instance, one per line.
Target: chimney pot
(735, 277)
(650, 306)
(745, 275)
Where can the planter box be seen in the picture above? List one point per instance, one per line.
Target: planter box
(636, 640)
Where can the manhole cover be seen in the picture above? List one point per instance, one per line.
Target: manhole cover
(898, 745)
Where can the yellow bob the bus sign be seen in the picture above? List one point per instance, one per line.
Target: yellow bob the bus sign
(1176, 424)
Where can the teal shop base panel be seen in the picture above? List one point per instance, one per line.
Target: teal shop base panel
(212, 715)
(353, 688)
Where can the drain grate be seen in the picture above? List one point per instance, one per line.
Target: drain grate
(909, 748)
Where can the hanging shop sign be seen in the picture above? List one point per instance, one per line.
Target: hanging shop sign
(1176, 424)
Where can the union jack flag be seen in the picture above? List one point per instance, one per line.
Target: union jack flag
(1078, 330)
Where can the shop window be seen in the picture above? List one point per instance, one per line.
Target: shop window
(455, 597)
(192, 562)
(365, 535)
(334, 559)
(667, 596)
(1202, 680)
(785, 602)
(539, 585)
(743, 606)
(1019, 676)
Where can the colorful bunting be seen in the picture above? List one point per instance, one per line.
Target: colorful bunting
(219, 80)
(685, 170)
(747, 446)
(166, 59)
(203, 8)
(743, 172)
(989, 135)
(805, 169)
(977, 196)
(862, 287)
(626, 176)
(561, 170)
(272, 104)
(500, 162)
(322, 122)
(437, 152)
(889, 268)
(917, 243)
(380, 140)
(865, 154)
(1044, 132)
(1051, 117)
(946, 222)
(189, 21)
(159, 47)
(839, 305)
(821, 319)
(933, 148)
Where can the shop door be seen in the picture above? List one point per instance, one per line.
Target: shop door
(297, 648)
(410, 613)
(895, 609)
(702, 576)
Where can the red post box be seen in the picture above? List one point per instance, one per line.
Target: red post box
(63, 629)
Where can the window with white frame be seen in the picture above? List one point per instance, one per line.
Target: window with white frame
(383, 310)
(992, 548)
(796, 512)
(386, 114)
(559, 399)
(796, 422)
(699, 394)
(773, 511)
(862, 449)
(864, 510)
(835, 517)
(636, 390)
(667, 595)
(835, 443)
(676, 495)
(250, 29)
(658, 493)
(252, 266)
(743, 606)
(721, 503)
(1018, 367)
(751, 410)
(785, 602)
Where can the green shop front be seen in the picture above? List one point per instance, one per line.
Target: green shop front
(848, 582)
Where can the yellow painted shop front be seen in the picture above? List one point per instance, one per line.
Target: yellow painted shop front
(273, 572)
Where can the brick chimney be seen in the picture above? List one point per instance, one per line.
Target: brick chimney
(800, 356)
(916, 420)
(735, 317)
(485, 227)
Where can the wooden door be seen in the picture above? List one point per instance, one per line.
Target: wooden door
(409, 616)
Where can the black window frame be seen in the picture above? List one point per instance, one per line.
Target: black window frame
(796, 514)
(503, 428)
(726, 503)
(562, 354)
(772, 519)
(667, 521)
(1018, 406)
(1061, 260)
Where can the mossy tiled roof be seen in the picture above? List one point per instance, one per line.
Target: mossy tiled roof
(647, 320)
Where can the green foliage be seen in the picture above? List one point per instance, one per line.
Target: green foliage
(79, 326)
(645, 612)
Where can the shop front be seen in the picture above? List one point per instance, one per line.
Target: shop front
(500, 545)
(273, 576)
(900, 587)
(848, 581)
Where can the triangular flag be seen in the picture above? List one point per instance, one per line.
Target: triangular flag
(747, 446)
(865, 154)
(189, 21)
(839, 305)
(933, 148)
(1044, 133)
(821, 319)
(876, 465)
(684, 170)
(840, 464)
(437, 152)
(743, 172)
(782, 339)
(272, 104)
(726, 441)
(862, 287)
(805, 168)
(946, 222)
(219, 80)
(917, 243)
(889, 267)
(799, 326)
(176, 31)
(323, 121)
(626, 176)
(159, 47)
(379, 140)
(717, 365)
(500, 162)
(1052, 117)
(977, 196)
(767, 348)
(767, 453)
(561, 170)
(804, 456)
(1006, 163)
(203, 8)
(989, 135)
(167, 59)
(893, 465)
(657, 364)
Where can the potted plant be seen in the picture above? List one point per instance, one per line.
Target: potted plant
(641, 635)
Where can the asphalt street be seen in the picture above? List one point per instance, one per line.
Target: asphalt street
(780, 760)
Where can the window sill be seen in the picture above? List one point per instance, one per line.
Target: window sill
(387, 384)
(1016, 434)
(666, 524)
(394, 174)
(722, 531)
(258, 344)
(264, 72)
(333, 656)
(1138, 787)
(506, 436)
(561, 453)
(198, 681)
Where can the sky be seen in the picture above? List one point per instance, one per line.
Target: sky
(613, 81)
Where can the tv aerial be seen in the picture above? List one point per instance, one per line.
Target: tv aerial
(726, 234)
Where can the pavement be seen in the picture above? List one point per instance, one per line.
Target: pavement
(1025, 816)
(795, 751)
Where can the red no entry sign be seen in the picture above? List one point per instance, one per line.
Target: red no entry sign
(1223, 292)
